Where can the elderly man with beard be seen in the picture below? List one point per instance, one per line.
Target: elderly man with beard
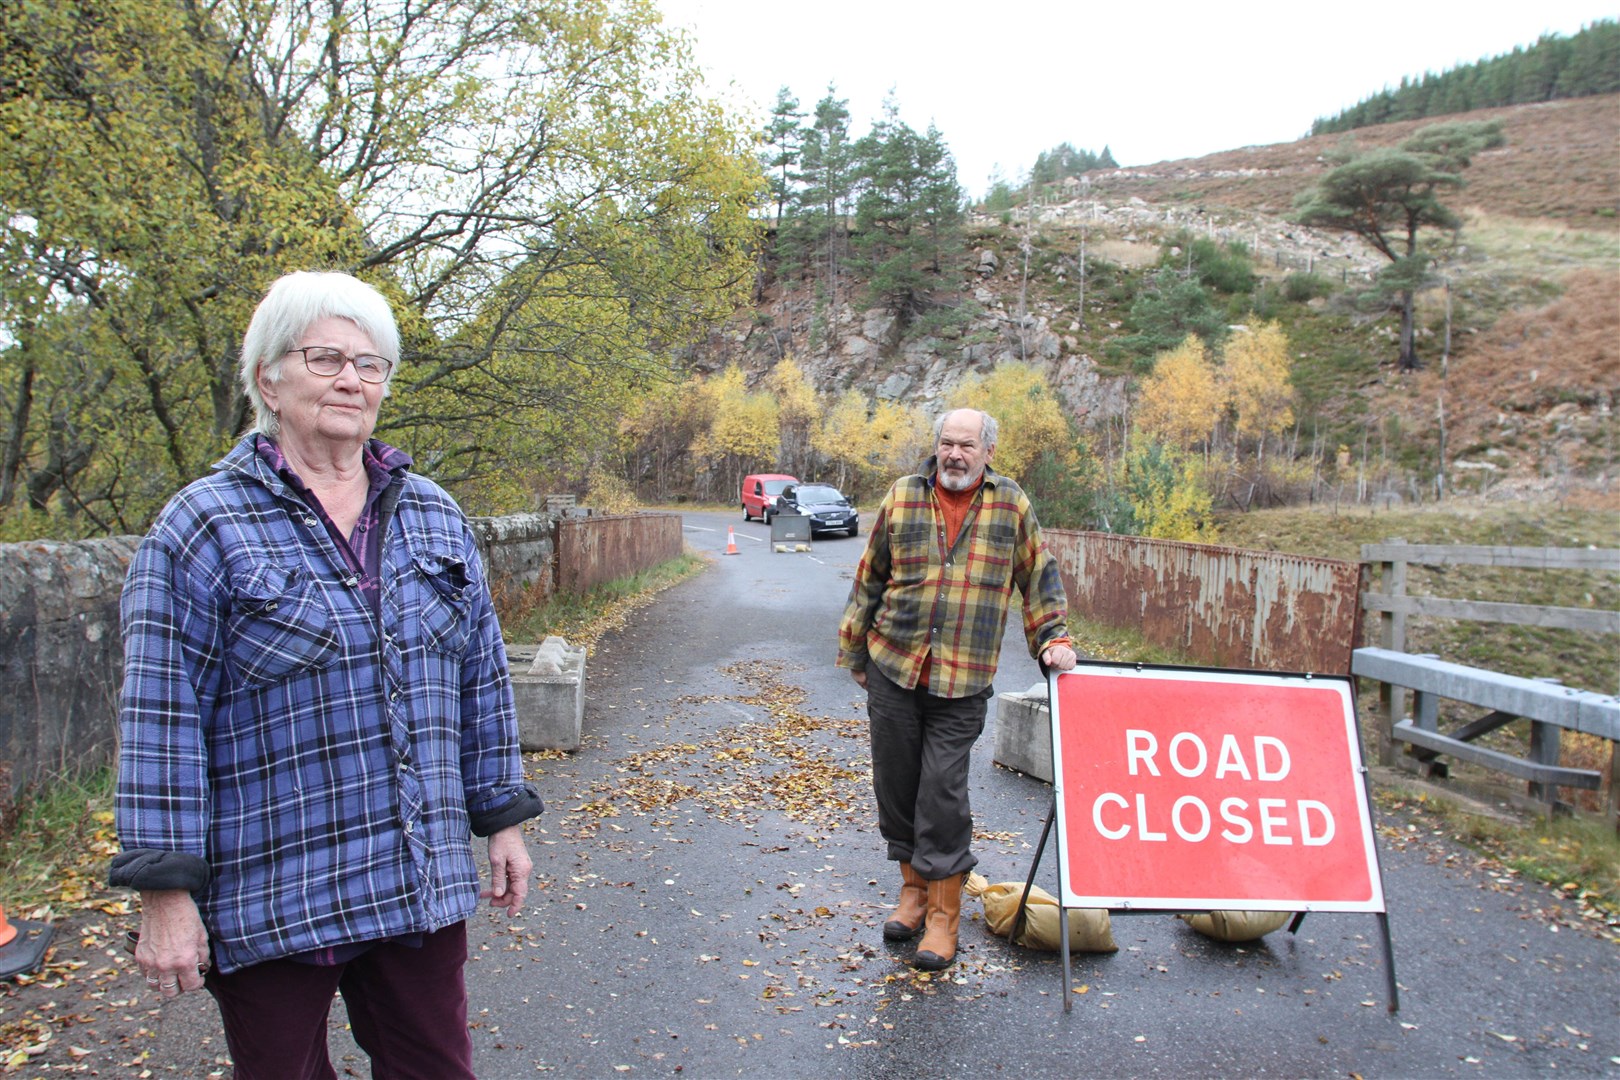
(922, 634)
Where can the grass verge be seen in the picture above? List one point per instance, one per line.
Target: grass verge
(1579, 857)
(582, 620)
(1585, 660)
(1119, 644)
(54, 856)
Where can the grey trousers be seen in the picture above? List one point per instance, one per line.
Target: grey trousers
(921, 746)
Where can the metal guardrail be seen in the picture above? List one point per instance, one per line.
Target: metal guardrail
(1549, 707)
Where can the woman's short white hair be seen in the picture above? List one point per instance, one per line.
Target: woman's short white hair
(295, 303)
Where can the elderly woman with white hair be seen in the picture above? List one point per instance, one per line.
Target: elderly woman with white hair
(316, 718)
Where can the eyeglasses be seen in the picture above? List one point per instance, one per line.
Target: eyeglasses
(329, 362)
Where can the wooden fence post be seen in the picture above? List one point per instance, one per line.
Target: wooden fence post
(1391, 635)
(1506, 695)
(1545, 742)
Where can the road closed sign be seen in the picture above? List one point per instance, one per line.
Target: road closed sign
(1197, 790)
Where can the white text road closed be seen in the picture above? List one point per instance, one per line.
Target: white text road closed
(1193, 789)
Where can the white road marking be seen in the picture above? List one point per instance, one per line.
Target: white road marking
(705, 528)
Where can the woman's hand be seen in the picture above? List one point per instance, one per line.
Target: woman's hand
(173, 950)
(509, 870)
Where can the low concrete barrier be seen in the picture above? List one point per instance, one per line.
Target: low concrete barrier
(1024, 732)
(548, 688)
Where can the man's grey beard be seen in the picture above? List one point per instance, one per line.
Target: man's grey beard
(957, 481)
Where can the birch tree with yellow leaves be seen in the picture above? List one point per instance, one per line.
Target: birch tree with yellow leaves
(870, 444)
(1254, 377)
(741, 437)
(1180, 402)
(1028, 413)
(1255, 383)
(1238, 400)
(798, 413)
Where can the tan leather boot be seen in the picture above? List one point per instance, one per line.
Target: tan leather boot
(937, 950)
(908, 914)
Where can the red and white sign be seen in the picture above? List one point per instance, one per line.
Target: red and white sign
(1195, 790)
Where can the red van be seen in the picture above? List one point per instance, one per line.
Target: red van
(759, 494)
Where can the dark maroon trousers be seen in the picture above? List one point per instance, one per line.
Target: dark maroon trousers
(407, 1008)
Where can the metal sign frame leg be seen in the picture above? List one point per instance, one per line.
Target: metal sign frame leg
(1383, 916)
(1389, 963)
(1063, 914)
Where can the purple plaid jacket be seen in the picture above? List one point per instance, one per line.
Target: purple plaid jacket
(311, 772)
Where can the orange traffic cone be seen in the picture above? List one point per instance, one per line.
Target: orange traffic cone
(22, 945)
(731, 540)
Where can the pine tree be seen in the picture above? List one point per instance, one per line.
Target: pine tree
(1593, 65)
(941, 199)
(819, 221)
(785, 138)
(909, 212)
(1554, 67)
(1388, 195)
(1063, 161)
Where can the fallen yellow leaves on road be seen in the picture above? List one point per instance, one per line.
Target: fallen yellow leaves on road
(781, 763)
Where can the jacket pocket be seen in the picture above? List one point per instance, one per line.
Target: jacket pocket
(911, 550)
(279, 625)
(446, 609)
(990, 556)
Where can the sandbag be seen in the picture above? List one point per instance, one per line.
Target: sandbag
(1089, 928)
(1237, 925)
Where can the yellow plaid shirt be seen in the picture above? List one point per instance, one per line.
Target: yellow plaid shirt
(914, 598)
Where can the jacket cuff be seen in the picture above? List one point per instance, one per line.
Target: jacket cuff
(521, 806)
(146, 868)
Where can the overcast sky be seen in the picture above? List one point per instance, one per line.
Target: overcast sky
(1154, 80)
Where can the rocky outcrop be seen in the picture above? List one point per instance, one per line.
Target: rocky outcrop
(866, 348)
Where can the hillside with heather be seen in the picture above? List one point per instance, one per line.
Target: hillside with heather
(1557, 164)
(1517, 320)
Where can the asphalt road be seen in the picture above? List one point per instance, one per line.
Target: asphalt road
(711, 887)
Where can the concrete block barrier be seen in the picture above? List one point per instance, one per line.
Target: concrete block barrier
(548, 686)
(1024, 732)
